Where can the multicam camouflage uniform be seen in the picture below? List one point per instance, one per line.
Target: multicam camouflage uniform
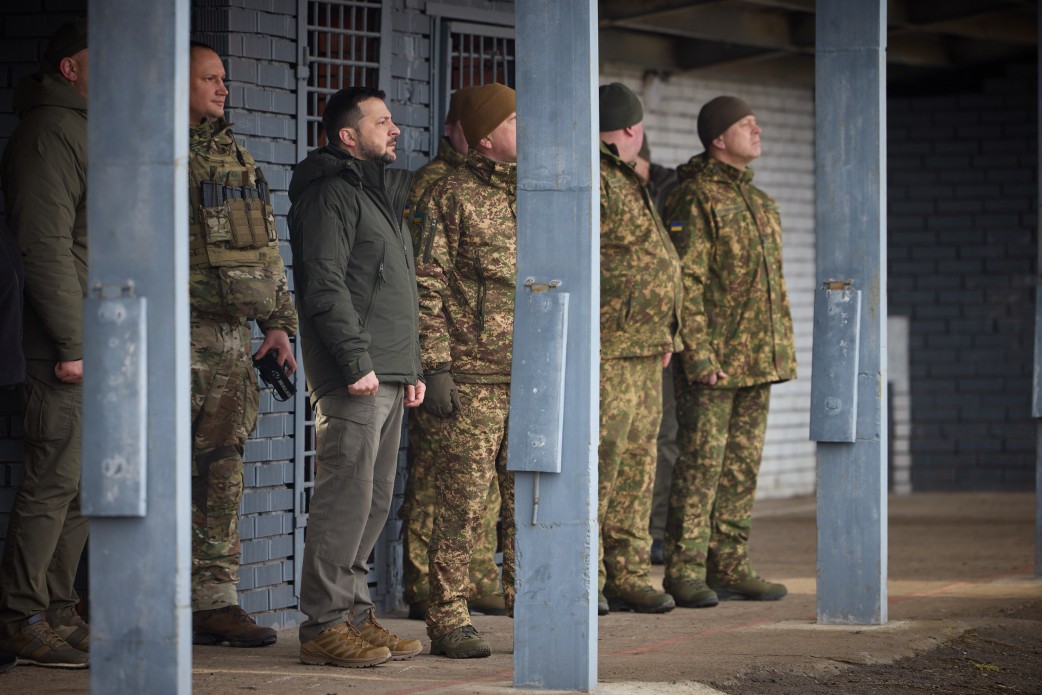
(236, 274)
(425, 444)
(641, 294)
(736, 320)
(466, 271)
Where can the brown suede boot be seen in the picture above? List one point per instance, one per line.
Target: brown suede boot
(230, 625)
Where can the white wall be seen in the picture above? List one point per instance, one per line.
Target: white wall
(785, 172)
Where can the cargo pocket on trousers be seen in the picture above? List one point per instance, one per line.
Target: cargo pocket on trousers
(51, 412)
(345, 434)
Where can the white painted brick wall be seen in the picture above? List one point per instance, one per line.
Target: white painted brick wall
(785, 172)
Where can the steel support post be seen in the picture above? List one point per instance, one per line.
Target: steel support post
(1036, 407)
(850, 174)
(554, 417)
(136, 348)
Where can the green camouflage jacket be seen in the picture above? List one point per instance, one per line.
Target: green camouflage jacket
(233, 283)
(736, 307)
(448, 160)
(641, 287)
(466, 270)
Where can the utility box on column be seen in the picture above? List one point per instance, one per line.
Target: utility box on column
(543, 311)
(833, 390)
(115, 414)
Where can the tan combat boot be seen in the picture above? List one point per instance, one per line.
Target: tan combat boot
(377, 635)
(342, 645)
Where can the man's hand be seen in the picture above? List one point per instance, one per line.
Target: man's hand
(713, 377)
(69, 372)
(279, 341)
(666, 357)
(368, 385)
(414, 394)
(442, 397)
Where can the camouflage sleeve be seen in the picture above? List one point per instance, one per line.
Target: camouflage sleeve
(434, 266)
(284, 317)
(698, 237)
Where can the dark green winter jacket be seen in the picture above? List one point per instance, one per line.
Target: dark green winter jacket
(44, 171)
(353, 271)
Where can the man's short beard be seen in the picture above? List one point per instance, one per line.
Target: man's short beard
(369, 152)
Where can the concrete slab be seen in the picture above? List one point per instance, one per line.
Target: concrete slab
(956, 562)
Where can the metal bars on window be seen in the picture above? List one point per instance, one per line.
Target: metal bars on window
(470, 55)
(344, 44)
(479, 54)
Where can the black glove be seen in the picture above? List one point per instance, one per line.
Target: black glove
(441, 398)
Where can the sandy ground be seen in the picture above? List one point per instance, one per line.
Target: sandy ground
(960, 569)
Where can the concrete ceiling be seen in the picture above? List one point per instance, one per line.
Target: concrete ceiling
(927, 39)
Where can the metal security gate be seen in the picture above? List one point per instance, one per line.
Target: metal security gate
(341, 43)
(468, 55)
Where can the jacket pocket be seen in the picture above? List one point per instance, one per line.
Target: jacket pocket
(378, 282)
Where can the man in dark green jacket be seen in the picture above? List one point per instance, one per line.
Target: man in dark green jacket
(356, 297)
(44, 173)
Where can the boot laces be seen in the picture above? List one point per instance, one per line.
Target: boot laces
(48, 636)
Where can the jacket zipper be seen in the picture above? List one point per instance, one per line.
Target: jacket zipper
(380, 279)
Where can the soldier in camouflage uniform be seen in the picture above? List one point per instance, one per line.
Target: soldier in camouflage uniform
(641, 295)
(466, 272)
(738, 341)
(236, 274)
(417, 510)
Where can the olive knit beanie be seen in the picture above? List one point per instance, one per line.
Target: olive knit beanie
(718, 115)
(484, 108)
(620, 107)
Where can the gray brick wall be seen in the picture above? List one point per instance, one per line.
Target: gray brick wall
(257, 38)
(410, 96)
(961, 252)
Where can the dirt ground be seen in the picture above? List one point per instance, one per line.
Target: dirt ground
(1001, 658)
(965, 616)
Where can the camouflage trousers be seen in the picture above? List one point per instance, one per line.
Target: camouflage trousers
(417, 513)
(631, 409)
(474, 454)
(714, 482)
(224, 411)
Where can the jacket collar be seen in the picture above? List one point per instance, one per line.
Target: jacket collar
(496, 174)
(703, 165)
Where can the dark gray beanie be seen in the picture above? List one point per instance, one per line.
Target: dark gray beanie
(718, 115)
(620, 107)
(68, 40)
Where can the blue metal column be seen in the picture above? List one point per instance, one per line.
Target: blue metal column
(850, 112)
(139, 548)
(554, 407)
(1036, 406)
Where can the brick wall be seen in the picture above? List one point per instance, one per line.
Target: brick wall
(962, 247)
(258, 40)
(786, 172)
